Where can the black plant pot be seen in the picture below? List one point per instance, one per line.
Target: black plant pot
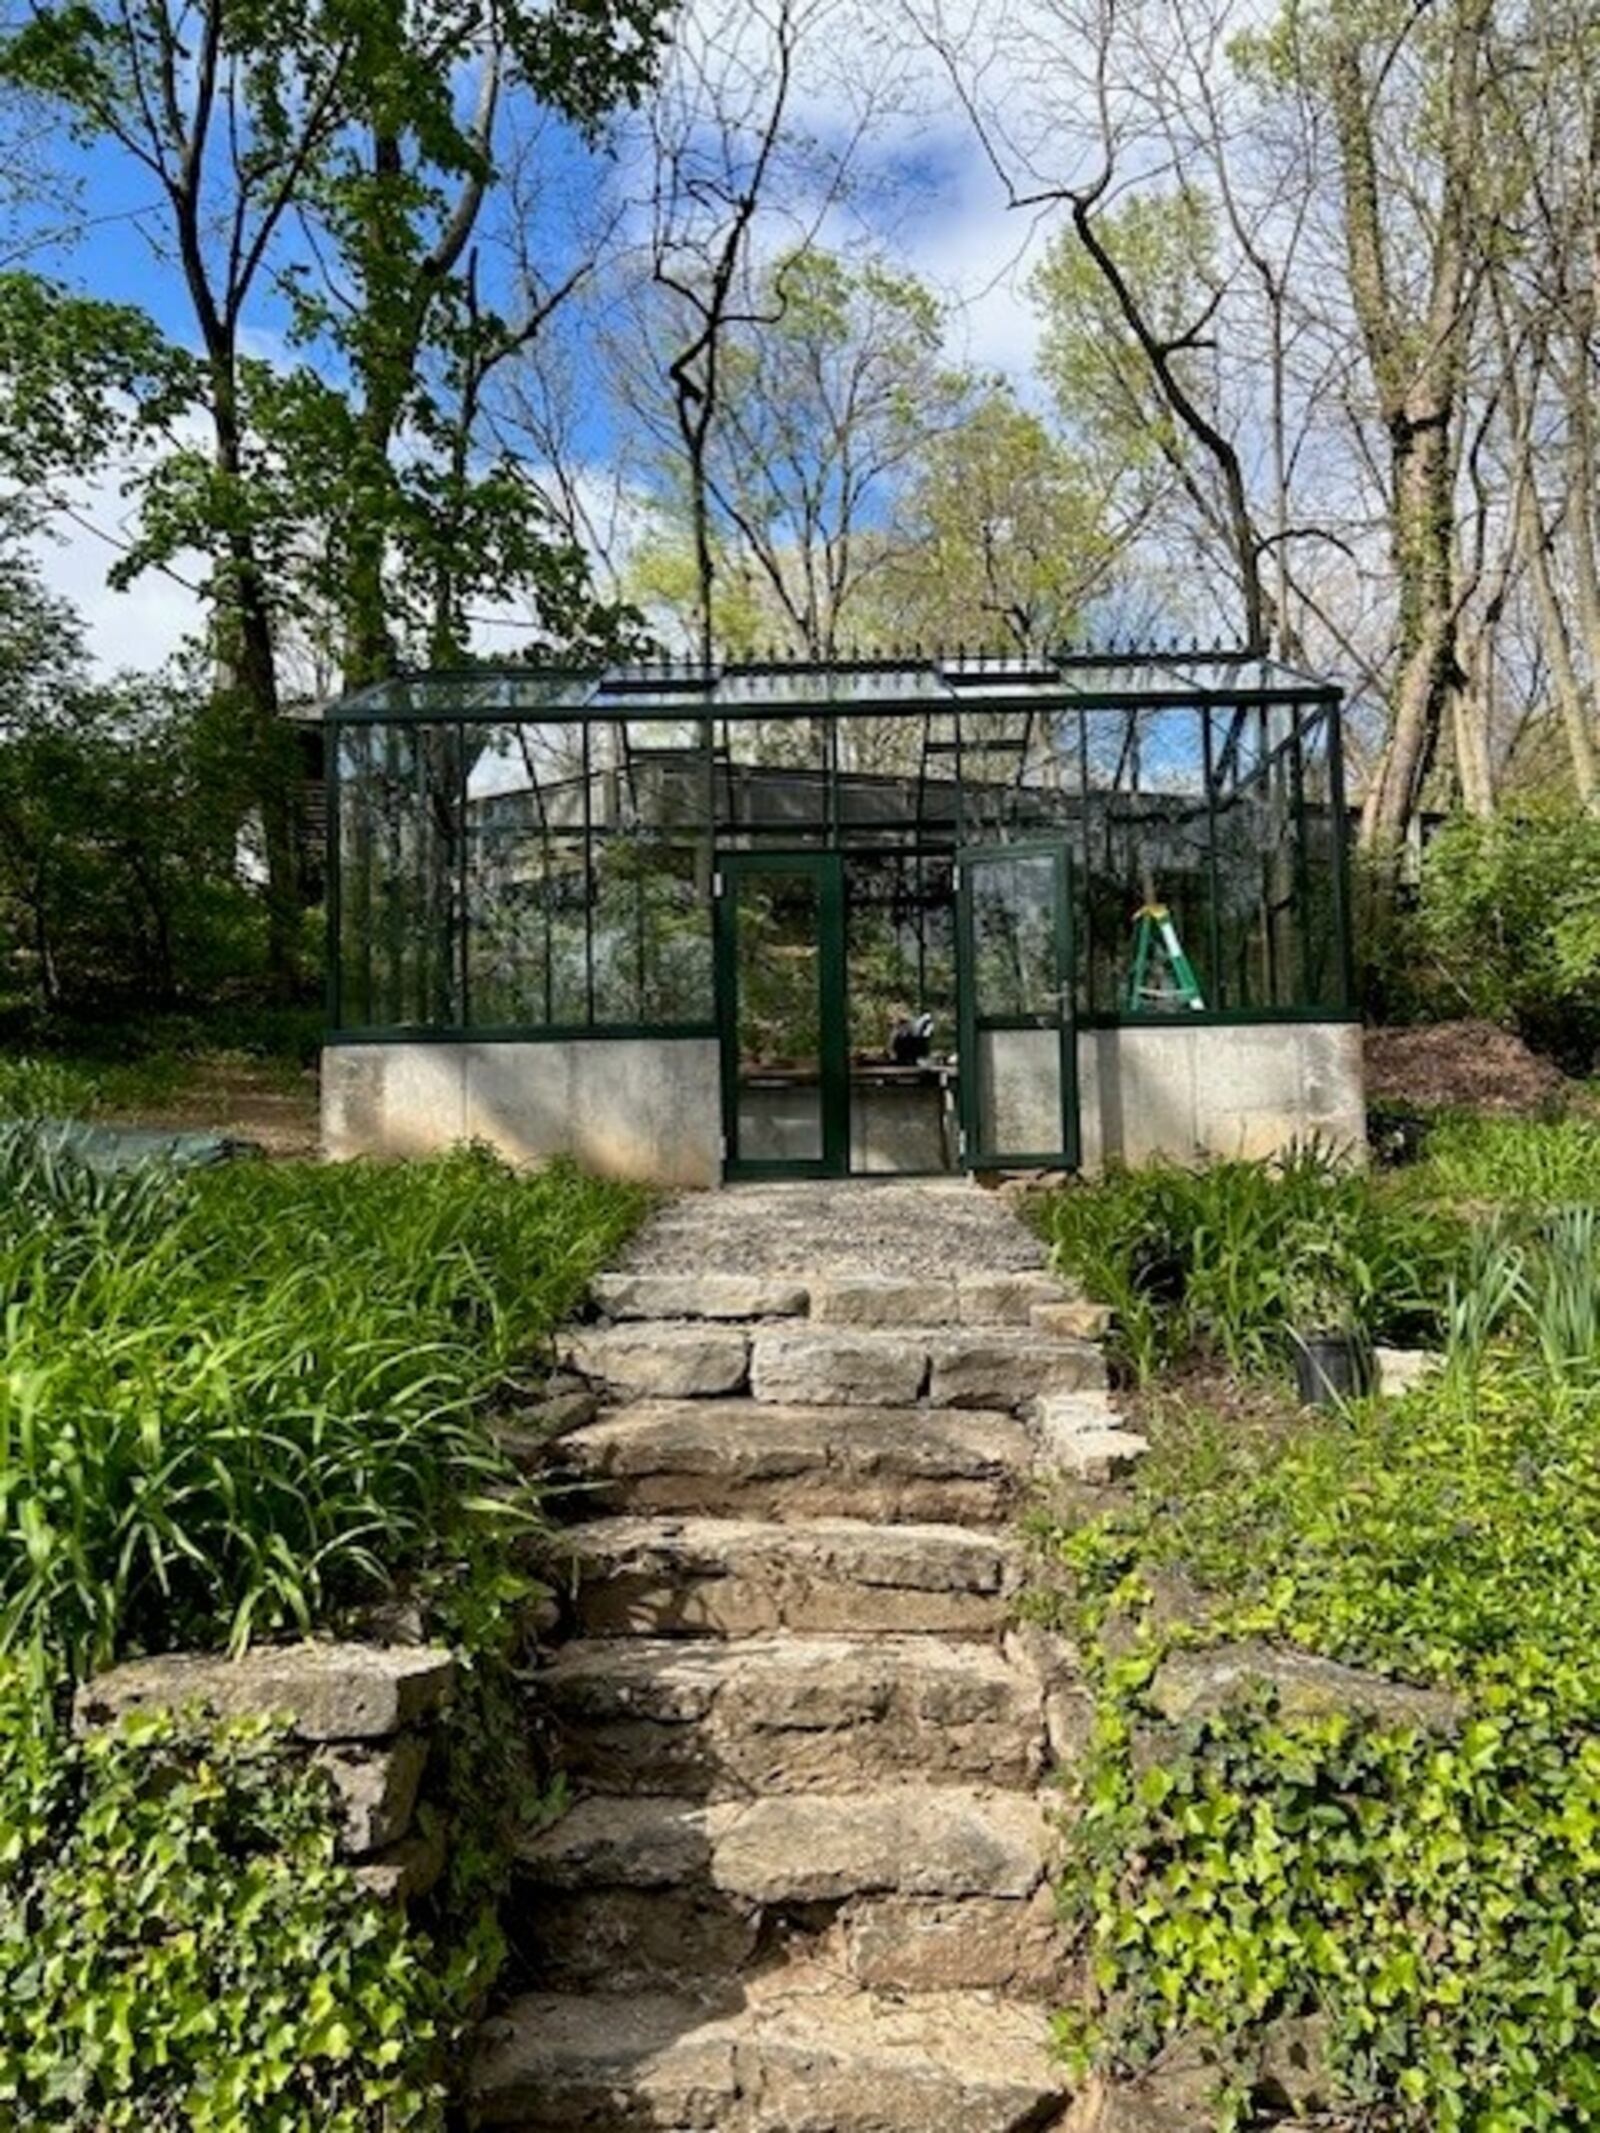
(1331, 1368)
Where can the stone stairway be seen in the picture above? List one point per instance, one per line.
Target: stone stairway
(802, 1887)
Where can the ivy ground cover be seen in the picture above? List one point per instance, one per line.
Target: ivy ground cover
(1429, 1898)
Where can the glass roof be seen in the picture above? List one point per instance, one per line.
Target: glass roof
(918, 684)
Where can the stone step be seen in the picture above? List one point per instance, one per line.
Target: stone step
(912, 1887)
(622, 1940)
(754, 1459)
(811, 1365)
(908, 1840)
(679, 1296)
(726, 1577)
(661, 1360)
(845, 1366)
(1076, 1317)
(1002, 1367)
(823, 2061)
(791, 1714)
(978, 1298)
(850, 1300)
(1010, 1367)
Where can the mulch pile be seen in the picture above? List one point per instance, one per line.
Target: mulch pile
(1468, 1066)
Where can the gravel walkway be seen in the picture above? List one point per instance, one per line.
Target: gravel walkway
(895, 1226)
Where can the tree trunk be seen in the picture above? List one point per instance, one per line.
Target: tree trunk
(1424, 553)
(1416, 363)
(1583, 475)
(1474, 721)
(248, 656)
(1569, 690)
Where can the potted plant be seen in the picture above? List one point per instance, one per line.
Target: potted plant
(1334, 1362)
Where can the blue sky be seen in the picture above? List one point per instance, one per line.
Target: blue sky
(928, 196)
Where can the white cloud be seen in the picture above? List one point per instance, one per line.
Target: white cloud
(979, 253)
(137, 629)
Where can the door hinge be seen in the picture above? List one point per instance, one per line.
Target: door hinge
(722, 1147)
(716, 884)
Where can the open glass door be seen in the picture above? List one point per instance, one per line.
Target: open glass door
(1019, 1057)
(785, 1074)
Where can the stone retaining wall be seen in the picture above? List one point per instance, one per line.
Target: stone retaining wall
(628, 1107)
(364, 1712)
(1217, 1089)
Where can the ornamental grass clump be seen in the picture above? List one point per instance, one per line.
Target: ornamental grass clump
(1512, 1161)
(237, 1402)
(1231, 1262)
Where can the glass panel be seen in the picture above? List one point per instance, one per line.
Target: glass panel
(900, 960)
(1149, 844)
(1014, 935)
(1019, 1092)
(772, 777)
(1241, 844)
(1320, 832)
(588, 879)
(1260, 860)
(652, 931)
(527, 921)
(778, 987)
(400, 847)
(1019, 1095)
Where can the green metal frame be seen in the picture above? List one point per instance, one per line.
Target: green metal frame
(1255, 722)
(973, 1023)
(826, 869)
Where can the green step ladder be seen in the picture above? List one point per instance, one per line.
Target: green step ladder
(1155, 936)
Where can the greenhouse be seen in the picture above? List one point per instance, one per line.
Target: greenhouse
(908, 915)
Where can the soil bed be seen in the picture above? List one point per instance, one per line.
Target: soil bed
(1462, 1066)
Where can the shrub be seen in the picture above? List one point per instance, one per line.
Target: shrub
(1435, 1899)
(46, 1088)
(1231, 1260)
(240, 1401)
(180, 1947)
(1508, 926)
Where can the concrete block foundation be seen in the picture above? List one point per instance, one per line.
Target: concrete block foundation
(633, 1107)
(651, 1107)
(1217, 1089)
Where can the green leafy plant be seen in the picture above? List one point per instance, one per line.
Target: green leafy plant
(46, 1088)
(239, 1402)
(1432, 1897)
(230, 1404)
(1508, 927)
(1518, 1161)
(180, 1946)
(1236, 1259)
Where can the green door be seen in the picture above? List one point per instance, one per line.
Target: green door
(780, 1004)
(1014, 976)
